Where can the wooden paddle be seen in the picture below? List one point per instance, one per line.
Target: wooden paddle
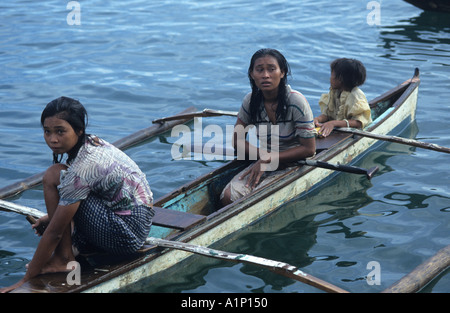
(30, 213)
(341, 168)
(281, 268)
(411, 142)
(21, 209)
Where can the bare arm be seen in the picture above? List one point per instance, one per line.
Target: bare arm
(322, 118)
(51, 238)
(241, 146)
(327, 127)
(58, 227)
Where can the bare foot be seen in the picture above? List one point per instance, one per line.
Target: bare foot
(57, 265)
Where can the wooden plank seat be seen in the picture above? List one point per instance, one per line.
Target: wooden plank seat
(334, 138)
(176, 219)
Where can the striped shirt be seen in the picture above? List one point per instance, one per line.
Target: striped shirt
(298, 122)
(107, 172)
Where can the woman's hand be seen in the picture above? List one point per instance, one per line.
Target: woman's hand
(253, 174)
(256, 171)
(40, 225)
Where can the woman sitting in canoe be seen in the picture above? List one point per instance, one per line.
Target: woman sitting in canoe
(99, 188)
(345, 105)
(271, 102)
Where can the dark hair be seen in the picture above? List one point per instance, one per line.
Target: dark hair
(74, 113)
(350, 72)
(257, 96)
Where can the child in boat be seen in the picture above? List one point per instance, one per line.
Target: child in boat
(345, 105)
(271, 102)
(98, 200)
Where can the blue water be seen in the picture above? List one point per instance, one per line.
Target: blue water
(130, 62)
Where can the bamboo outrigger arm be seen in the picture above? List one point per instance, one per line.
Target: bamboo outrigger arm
(204, 113)
(405, 141)
(124, 143)
(422, 274)
(277, 267)
(20, 209)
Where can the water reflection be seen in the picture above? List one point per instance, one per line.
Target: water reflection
(429, 28)
(413, 29)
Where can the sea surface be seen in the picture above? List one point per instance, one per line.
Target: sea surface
(130, 62)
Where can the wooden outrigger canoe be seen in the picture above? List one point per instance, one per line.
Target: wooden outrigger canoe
(189, 214)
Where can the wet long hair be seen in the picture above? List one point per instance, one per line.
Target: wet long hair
(74, 113)
(257, 96)
(350, 72)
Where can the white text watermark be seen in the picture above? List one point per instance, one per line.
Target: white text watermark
(189, 142)
(74, 276)
(74, 16)
(374, 277)
(374, 16)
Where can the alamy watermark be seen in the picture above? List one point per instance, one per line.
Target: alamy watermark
(374, 277)
(74, 16)
(74, 276)
(374, 16)
(193, 142)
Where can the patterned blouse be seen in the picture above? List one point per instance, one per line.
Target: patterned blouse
(103, 169)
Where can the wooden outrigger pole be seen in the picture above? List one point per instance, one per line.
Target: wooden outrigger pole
(423, 274)
(277, 267)
(122, 144)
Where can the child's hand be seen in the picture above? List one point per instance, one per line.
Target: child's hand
(326, 129)
(317, 123)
